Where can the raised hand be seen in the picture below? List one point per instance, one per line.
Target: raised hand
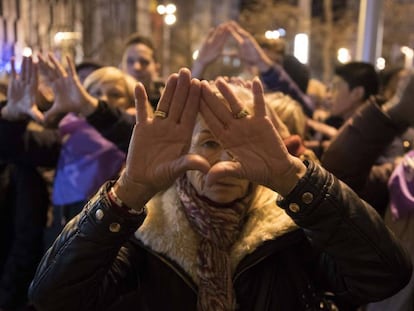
(249, 50)
(400, 107)
(158, 151)
(210, 49)
(258, 150)
(21, 92)
(70, 95)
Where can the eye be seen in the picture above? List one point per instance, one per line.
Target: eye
(144, 62)
(210, 144)
(115, 95)
(96, 93)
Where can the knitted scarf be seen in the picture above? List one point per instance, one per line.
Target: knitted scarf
(218, 226)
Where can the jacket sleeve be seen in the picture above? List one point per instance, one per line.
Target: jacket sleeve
(113, 123)
(352, 154)
(361, 260)
(20, 145)
(88, 267)
(276, 79)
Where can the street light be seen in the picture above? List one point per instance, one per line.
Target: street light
(167, 11)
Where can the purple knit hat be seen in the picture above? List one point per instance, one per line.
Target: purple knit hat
(401, 187)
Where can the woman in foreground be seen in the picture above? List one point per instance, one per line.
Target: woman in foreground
(212, 213)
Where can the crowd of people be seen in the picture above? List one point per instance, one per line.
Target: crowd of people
(121, 191)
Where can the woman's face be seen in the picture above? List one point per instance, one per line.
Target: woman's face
(112, 90)
(225, 190)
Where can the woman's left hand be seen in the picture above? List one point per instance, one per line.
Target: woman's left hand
(258, 150)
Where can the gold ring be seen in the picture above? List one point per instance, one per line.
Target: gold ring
(161, 114)
(241, 114)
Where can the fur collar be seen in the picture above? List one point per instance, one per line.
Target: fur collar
(166, 230)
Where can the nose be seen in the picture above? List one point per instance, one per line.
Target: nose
(137, 65)
(103, 98)
(226, 155)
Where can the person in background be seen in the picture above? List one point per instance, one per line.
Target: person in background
(23, 195)
(87, 158)
(352, 85)
(273, 76)
(139, 60)
(213, 213)
(84, 68)
(275, 49)
(357, 146)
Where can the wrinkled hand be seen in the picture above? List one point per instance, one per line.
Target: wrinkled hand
(70, 95)
(249, 50)
(259, 152)
(21, 93)
(211, 49)
(158, 151)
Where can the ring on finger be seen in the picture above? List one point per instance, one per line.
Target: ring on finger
(241, 114)
(160, 114)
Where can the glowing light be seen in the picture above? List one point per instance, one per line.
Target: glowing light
(161, 9)
(195, 54)
(27, 52)
(170, 19)
(343, 55)
(272, 34)
(170, 8)
(380, 63)
(301, 47)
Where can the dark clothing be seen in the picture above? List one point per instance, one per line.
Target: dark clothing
(24, 201)
(358, 171)
(342, 247)
(23, 209)
(277, 80)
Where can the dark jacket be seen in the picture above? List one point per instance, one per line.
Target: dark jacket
(357, 146)
(24, 199)
(337, 243)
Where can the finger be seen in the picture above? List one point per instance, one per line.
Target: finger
(180, 95)
(13, 68)
(35, 76)
(71, 67)
(190, 162)
(235, 105)
(24, 69)
(59, 70)
(37, 115)
(215, 125)
(168, 93)
(223, 169)
(140, 103)
(236, 36)
(192, 105)
(216, 106)
(259, 101)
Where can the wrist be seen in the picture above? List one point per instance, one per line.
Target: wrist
(131, 194)
(89, 106)
(117, 202)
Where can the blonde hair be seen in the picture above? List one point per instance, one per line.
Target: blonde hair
(109, 74)
(289, 111)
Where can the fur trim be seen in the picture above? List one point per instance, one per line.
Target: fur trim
(166, 230)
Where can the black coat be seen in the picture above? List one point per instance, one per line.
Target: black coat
(341, 246)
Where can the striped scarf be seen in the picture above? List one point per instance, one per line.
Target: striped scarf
(218, 226)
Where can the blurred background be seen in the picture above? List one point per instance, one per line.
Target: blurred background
(320, 33)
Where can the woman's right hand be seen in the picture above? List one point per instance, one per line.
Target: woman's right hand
(158, 151)
(21, 93)
(70, 95)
